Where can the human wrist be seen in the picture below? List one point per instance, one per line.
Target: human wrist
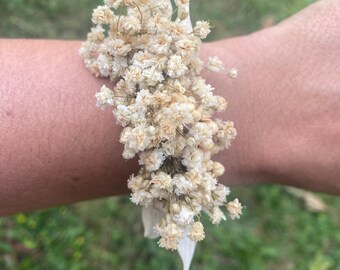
(245, 160)
(297, 111)
(57, 146)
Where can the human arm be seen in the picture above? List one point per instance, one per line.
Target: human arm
(287, 105)
(56, 147)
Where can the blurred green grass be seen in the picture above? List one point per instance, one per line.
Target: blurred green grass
(275, 232)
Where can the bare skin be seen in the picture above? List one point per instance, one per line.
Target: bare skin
(56, 147)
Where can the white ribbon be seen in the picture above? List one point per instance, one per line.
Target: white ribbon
(186, 249)
(151, 216)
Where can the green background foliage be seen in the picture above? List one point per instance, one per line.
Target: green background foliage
(276, 231)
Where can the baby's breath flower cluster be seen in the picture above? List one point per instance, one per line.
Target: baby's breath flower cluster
(166, 109)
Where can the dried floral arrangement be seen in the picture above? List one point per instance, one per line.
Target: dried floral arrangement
(150, 51)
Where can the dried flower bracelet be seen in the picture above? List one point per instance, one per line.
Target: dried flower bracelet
(150, 52)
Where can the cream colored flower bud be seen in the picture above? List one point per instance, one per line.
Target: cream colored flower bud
(196, 115)
(218, 169)
(233, 73)
(191, 107)
(208, 144)
(215, 64)
(222, 104)
(170, 236)
(234, 209)
(202, 29)
(197, 232)
(135, 182)
(102, 15)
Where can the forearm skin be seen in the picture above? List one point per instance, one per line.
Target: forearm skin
(56, 147)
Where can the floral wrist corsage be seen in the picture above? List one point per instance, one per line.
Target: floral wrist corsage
(150, 51)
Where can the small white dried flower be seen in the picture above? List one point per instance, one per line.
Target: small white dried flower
(185, 47)
(192, 158)
(136, 182)
(119, 66)
(171, 235)
(104, 64)
(104, 97)
(141, 197)
(118, 47)
(184, 217)
(143, 60)
(233, 73)
(152, 76)
(196, 232)
(218, 169)
(123, 115)
(102, 15)
(96, 34)
(140, 137)
(220, 194)
(215, 64)
(182, 185)
(234, 209)
(176, 67)
(202, 29)
(162, 180)
(160, 44)
(130, 25)
(152, 159)
(217, 215)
